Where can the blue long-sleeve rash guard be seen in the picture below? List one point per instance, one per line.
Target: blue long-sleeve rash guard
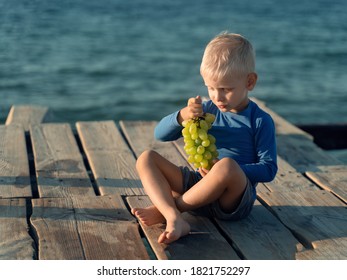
(248, 137)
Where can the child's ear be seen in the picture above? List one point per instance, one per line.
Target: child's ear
(251, 80)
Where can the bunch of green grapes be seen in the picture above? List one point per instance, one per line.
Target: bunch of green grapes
(199, 145)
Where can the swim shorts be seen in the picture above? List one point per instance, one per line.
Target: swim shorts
(213, 210)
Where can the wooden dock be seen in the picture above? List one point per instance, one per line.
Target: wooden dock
(66, 191)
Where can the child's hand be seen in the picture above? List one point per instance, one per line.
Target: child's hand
(203, 172)
(192, 110)
(194, 107)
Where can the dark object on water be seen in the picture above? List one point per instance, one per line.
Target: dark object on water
(328, 136)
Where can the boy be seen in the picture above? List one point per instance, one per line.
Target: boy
(245, 139)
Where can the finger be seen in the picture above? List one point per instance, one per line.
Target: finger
(195, 100)
(202, 172)
(205, 171)
(191, 101)
(198, 99)
(195, 111)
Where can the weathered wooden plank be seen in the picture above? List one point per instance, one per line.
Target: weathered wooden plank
(14, 164)
(111, 161)
(59, 165)
(86, 228)
(138, 130)
(55, 227)
(261, 236)
(321, 252)
(15, 241)
(303, 154)
(139, 134)
(290, 182)
(204, 241)
(284, 168)
(316, 218)
(333, 179)
(27, 115)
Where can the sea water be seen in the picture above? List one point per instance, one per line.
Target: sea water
(139, 59)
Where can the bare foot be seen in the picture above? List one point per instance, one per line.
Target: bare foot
(174, 230)
(149, 215)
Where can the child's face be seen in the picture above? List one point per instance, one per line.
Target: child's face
(230, 94)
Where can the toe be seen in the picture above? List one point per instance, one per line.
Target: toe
(133, 211)
(162, 237)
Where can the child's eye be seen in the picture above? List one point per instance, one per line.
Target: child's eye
(228, 89)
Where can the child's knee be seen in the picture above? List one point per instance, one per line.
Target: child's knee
(227, 167)
(145, 158)
(231, 173)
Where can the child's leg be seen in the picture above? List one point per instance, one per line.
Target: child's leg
(225, 182)
(159, 178)
(172, 175)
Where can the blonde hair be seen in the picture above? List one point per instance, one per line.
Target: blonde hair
(226, 54)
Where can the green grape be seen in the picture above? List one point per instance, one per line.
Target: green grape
(206, 143)
(192, 128)
(203, 125)
(212, 148)
(199, 145)
(207, 155)
(209, 118)
(198, 158)
(212, 139)
(204, 163)
(191, 159)
(192, 151)
(194, 136)
(190, 143)
(197, 164)
(185, 132)
(200, 150)
(198, 141)
(202, 134)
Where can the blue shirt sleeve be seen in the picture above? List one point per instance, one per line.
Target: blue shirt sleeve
(265, 169)
(168, 129)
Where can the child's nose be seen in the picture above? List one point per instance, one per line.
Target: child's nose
(219, 94)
